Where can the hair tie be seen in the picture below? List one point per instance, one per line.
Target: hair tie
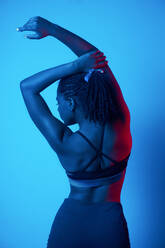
(88, 75)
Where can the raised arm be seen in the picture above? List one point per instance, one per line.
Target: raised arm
(80, 46)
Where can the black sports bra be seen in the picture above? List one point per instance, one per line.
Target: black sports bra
(82, 178)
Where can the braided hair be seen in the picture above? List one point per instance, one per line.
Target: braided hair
(93, 97)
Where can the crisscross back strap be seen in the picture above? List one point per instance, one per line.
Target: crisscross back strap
(98, 151)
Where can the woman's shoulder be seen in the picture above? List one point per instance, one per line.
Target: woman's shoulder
(115, 135)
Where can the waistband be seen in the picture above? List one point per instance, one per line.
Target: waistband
(83, 203)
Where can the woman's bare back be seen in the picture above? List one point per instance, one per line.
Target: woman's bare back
(117, 144)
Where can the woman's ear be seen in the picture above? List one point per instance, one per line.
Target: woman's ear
(71, 103)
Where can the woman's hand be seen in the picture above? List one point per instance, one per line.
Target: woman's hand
(91, 60)
(39, 25)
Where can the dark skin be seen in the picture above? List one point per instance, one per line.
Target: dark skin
(117, 141)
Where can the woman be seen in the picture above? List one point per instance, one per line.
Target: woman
(94, 157)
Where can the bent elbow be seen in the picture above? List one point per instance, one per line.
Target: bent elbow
(23, 84)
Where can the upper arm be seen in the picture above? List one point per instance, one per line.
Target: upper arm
(52, 128)
(117, 94)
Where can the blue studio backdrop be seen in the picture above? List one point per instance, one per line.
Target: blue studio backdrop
(33, 183)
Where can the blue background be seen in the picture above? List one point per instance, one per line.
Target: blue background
(32, 181)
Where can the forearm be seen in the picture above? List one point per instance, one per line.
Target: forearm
(41, 80)
(78, 45)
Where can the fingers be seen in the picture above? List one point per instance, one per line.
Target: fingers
(97, 54)
(32, 36)
(101, 65)
(101, 59)
(24, 28)
(29, 26)
(98, 51)
(20, 29)
(100, 55)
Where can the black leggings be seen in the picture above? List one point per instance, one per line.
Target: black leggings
(89, 225)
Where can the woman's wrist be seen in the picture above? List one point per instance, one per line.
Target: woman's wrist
(53, 29)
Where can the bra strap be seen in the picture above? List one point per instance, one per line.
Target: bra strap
(87, 140)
